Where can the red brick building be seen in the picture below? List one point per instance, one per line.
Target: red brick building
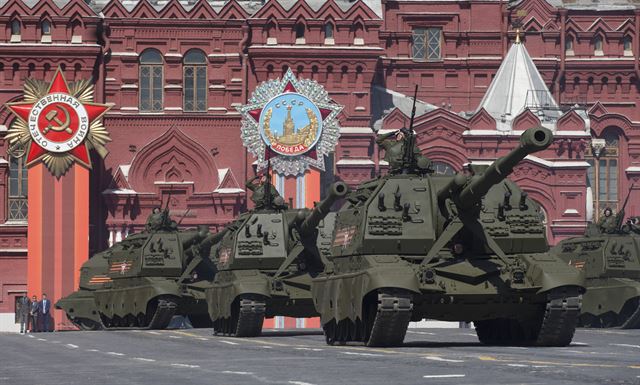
(176, 70)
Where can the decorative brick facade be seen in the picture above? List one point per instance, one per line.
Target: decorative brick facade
(361, 51)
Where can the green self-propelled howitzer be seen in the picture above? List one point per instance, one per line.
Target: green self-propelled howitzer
(145, 279)
(410, 246)
(611, 263)
(265, 263)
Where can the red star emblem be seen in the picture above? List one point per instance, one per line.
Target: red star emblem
(58, 122)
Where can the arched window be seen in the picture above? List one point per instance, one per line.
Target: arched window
(442, 168)
(358, 32)
(151, 78)
(15, 27)
(568, 45)
(626, 45)
(45, 27)
(195, 81)
(76, 32)
(602, 175)
(300, 33)
(597, 46)
(17, 189)
(271, 32)
(328, 33)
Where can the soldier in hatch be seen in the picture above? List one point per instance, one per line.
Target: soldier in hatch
(394, 147)
(608, 224)
(159, 219)
(259, 189)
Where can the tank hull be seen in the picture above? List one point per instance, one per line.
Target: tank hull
(467, 290)
(286, 297)
(611, 265)
(81, 309)
(611, 302)
(142, 303)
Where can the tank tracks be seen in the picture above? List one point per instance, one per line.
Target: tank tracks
(86, 324)
(555, 327)
(383, 325)
(163, 314)
(633, 322)
(247, 317)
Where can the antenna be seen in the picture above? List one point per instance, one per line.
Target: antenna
(410, 140)
(183, 216)
(267, 185)
(413, 109)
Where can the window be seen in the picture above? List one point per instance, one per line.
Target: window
(626, 44)
(358, 31)
(442, 168)
(15, 27)
(15, 31)
(45, 27)
(328, 31)
(602, 175)
(597, 45)
(151, 73)
(271, 33)
(568, 45)
(17, 189)
(195, 81)
(427, 43)
(328, 34)
(300, 33)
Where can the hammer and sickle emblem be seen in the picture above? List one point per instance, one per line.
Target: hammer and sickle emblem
(52, 116)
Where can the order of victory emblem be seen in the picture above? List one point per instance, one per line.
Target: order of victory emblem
(58, 124)
(290, 122)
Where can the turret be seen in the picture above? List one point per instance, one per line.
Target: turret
(467, 193)
(336, 191)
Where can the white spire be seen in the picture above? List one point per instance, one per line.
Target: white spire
(518, 85)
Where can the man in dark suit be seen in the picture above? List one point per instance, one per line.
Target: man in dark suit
(34, 312)
(23, 309)
(45, 312)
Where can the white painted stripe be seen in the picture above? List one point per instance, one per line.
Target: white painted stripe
(72, 346)
(228, 342)
(312, 349)
(300, 383)
(470, 335)
(265, 347)
(423, 333)
(444, 376)
(151, 332)
(363, 354)
(115, 354)
(627, 346)
(232, 372)
(518, 365)
(41, 339)
(203, 339)
(175, 337)
(436, 358)
(92, 350)
(185, 366)
(144, 359)
(580, 343)
(30, 336)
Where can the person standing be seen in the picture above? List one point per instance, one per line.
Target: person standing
(23, 309)
(45, 312)
(33, 314)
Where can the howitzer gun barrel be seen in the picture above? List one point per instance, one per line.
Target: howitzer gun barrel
(212, 239)
(532, 140)
(336, 191)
